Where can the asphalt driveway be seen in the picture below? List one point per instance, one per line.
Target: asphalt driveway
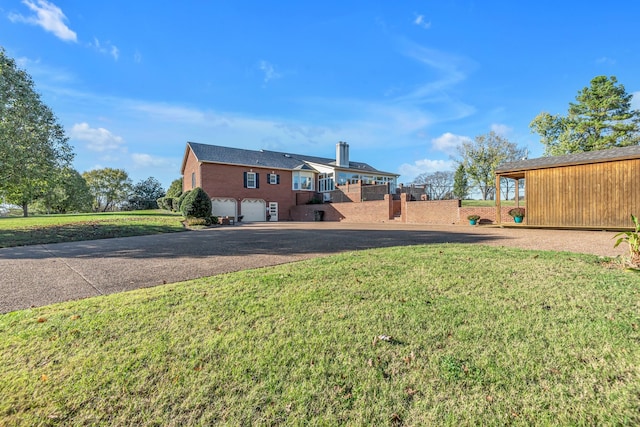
(32, 276)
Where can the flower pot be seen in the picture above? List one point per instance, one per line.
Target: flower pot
(517, 219)
(473, 221)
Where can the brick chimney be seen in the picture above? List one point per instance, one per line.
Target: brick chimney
(342, 154)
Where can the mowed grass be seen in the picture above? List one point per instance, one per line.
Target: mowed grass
(489, 203)
(425, 335)
(72, 228)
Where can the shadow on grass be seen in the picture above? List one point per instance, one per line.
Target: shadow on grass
(77, 232)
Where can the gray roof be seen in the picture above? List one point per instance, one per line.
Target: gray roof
(268, 159)
(608, 155)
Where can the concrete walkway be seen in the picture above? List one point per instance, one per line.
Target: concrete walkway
(32, 276)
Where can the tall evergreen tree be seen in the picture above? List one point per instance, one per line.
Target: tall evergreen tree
(601, 118)
(460, 183)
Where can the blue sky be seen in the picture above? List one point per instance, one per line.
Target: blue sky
(402, 82)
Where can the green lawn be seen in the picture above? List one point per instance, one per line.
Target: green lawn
(41, 229)
(481, 203)
(478, 336)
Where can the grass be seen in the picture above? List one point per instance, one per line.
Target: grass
(72, 228)
(485, 203)
(424, 335)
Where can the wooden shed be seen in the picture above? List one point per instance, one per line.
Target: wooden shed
(596, 189)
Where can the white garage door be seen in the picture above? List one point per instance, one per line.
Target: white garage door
(223, 207)
(254, 210)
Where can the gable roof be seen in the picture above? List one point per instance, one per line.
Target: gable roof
(265, 158)
(600, 156)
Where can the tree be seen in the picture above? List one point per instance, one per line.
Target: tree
(109, 187)
(69, 193)
(601, 118)
(145, 194)
(481, 157)
(33, 144)
(437, 184)
(460, 183)
(175, 188)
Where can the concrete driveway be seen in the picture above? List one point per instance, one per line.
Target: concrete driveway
(32, 276)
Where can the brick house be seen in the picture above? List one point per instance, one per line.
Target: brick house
(266, 185)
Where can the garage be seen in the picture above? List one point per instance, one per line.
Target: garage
(253, 210)
(223, 207)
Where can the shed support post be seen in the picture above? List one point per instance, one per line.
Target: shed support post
(517, 193)
(498, 210)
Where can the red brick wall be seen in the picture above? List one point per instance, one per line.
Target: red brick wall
(488, 214)
(431, 212)
(191, 166)
(373, 211)
(220, 180)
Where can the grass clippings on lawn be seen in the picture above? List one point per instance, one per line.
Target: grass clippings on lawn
(427, 335)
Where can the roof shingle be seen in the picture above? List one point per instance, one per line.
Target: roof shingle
(266, 158)
(611, 154)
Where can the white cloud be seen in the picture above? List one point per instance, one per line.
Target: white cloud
(448, 142)
(115, 52)
(502, 130)
(269, 71)
(137, 57)
(419, 21)
(635, 101)
(606, 60)
(99, 139)
(141, 160)
(49, 17)
(410, 171)
(106, 48)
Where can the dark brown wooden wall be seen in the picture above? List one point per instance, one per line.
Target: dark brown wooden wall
(594, 195)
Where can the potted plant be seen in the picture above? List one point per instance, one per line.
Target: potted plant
(473, 219)
(517, 214)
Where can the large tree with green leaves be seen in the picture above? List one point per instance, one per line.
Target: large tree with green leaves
(144, 194)
(69, 193)
(481, 156)
(175, 188)
(33, 145)
(109, 187)
(601, 118)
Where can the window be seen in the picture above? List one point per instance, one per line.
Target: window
(325, 182)
(251, 180)
(193, 180)
(273, 178)
(303, 181)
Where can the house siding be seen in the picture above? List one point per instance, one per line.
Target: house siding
(191, 166)
(220, 180)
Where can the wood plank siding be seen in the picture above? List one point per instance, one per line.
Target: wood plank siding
(601, 194)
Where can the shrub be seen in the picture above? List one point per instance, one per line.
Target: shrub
(161, 203)
(175, 204)
(197, 221)
(197, 204)
(473, 217)
(178, 207)
(168, 203)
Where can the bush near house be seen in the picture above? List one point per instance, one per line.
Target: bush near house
(177, 205)
(196, 204)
